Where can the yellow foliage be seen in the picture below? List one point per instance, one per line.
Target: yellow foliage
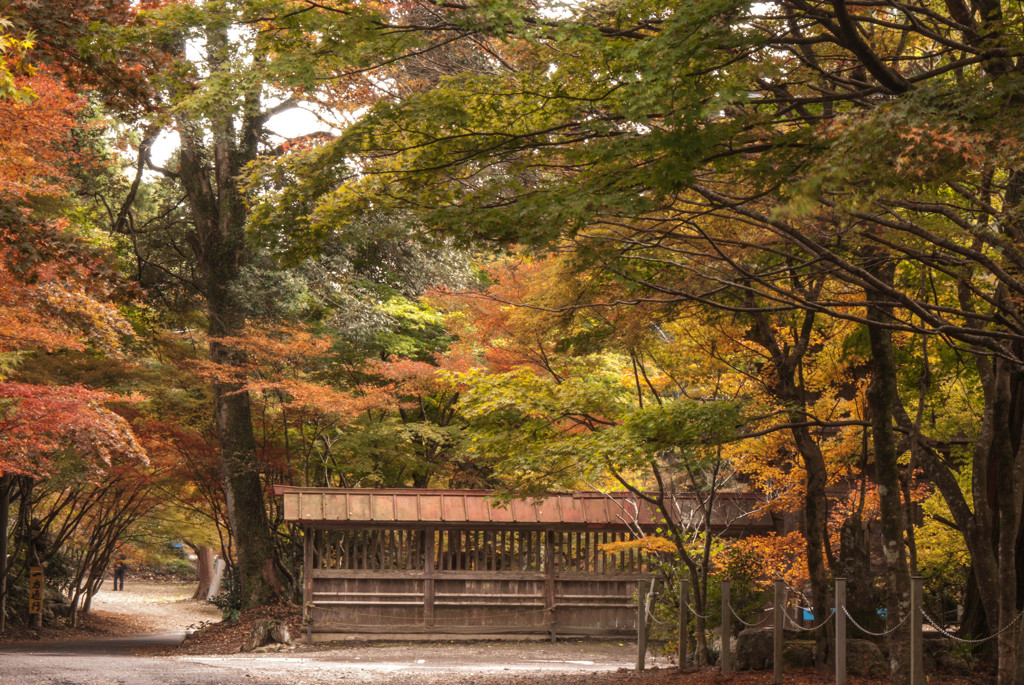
(652, 544)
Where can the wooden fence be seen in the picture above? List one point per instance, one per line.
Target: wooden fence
(434, 581)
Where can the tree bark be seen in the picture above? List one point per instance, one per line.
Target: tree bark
(786, 359)
(6, 484)
(218, 211)
(204, 569)
(882, 395)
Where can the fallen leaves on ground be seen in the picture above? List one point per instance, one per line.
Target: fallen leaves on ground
(228, 637)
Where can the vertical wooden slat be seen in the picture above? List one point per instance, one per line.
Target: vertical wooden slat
(524, 541)
(411, 555)
(428, 578)
(486, 551)
(726, 658)
(495, 563)
(916, 636)
(402, 547)
(549, 580)
(499, 549)
(411, 538)
(641, 622)
(684, 621)
(442, 550)
(778, 626)
(307, 581)
(840, 631)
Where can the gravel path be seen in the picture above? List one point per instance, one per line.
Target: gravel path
(164, 610)
(155, 606)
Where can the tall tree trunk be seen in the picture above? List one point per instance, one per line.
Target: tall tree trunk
(6, 483)
(204, 569)
(218, 211)
(786, 360)
(816, 518)
(882, 395)
(1005, 483)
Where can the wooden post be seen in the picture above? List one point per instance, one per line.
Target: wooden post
(726, 629)
(684, 620)
(307, 582)
(428, 577)
(916, 635)
(778, 626)
(641, 625)
(36, 595)
(549, 580)
(840, 631)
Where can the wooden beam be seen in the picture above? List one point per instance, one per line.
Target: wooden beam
(307, 582)
(428, 579)
(549, 580)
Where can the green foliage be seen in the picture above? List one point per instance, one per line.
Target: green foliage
(229, 601)
(13, 62)
(543, 433)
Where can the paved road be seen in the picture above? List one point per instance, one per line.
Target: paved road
(118, 661)
(107, 645)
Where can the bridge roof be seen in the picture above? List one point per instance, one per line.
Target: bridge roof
(405, 508)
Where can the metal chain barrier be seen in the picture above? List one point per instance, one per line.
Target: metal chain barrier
(868, 632)
(807, 630)
(740, 619)
(698, 614)
(968, 641)
(650, 615)
(453, 621)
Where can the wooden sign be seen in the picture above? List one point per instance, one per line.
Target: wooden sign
(35, 590)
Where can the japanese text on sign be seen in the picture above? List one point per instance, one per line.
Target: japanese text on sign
(35, 590)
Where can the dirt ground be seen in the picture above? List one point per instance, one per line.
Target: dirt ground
(164, 611)
(155, 606)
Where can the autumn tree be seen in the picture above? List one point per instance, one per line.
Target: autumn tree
(868, 138)
(59, 296)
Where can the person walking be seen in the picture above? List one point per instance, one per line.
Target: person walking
(119, 569)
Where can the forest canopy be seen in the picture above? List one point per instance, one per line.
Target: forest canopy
(706, 246)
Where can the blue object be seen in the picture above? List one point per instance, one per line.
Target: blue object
(808, 614)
